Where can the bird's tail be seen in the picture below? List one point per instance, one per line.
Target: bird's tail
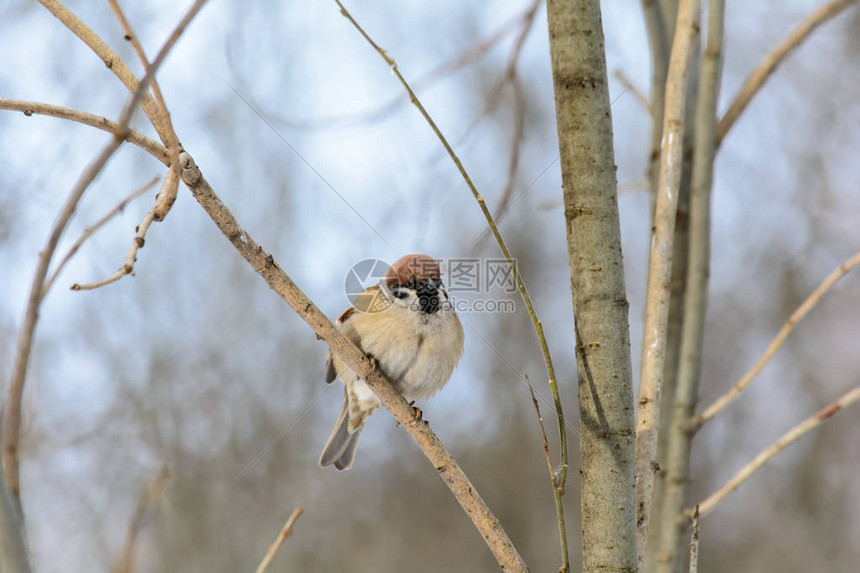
(340, 448)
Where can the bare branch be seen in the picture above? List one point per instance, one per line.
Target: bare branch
(14, 555)
(91, 230)
(795, 318)
(15, 392)
(167, 196)
(557, 491)
(655, 25)
(113, 62)
(544, 443)
(99, 122)
(694, 542)
(761, 74)
(149, 496)
(786, 440)
(640, 97)
(286, 531)
(676, 464)
(660, 266)
(264, 264)
(512, 77)
(167, 192)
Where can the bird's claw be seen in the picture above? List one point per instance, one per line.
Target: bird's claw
(417, 414)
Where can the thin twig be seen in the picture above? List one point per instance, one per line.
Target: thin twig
(169, 182)
(286, 531)
(29, 108)
(544, 443)
(670, 535)
(761, 74)
(91, 230)
(557, 492)
(167, 196)
(511, 76)
(795, 318)
(660, 266)
(149, 496)
(786, 440)
(263, 263)
(640, 97)
(502, 245)
(694, 543)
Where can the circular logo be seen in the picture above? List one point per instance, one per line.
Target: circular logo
(358, 285)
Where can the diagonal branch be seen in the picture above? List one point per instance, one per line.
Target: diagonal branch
(149, 496)
(91, 230)
(786, 440)
(763, 72)
(285, 532)
(447, 467)
(796, 317)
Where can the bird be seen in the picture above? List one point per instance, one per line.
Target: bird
(409, 328)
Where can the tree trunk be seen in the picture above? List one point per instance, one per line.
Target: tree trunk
(597, 281)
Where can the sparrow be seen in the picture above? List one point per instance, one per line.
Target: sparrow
(408, 326)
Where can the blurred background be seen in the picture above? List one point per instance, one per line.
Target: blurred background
(196, 364)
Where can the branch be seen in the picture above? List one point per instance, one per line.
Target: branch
(655, 26)
(519, 105)
(795, 318)
(562, 479)
(683, 401)
(660, 266)
(167, 196)
(786, 440)
(286, 531)
(99, 122)
(264, 264)
(761, 74)
(164, 197)
(694, 542)
(640, 97)
(149, 496)
(15, 392)
(113, 62)
(91, 230)
(557, 492)
(14, 555)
